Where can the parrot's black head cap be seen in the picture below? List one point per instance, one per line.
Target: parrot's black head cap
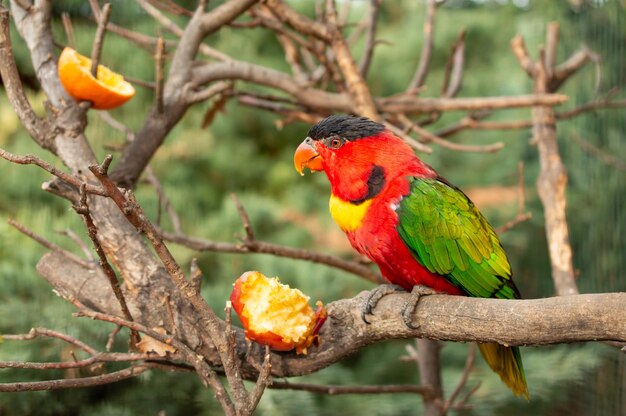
(345, 126)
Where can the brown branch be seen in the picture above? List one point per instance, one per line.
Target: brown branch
(137, 155)
(245, 220)
(604, 157)
(203, 370)
(430, 137)
(427, 105)
(163, 200)
(49, 333)
(333, 390)
(220, 87)
(100, 357)
(552, 41)
(356, 86)
(521, 53)
(469, 364)
(65, 177)
(48, 244)
(454, 67)
(370, 42)
(73, 383)
(576, 61)
(38, 128)
(429, 367)
(410, 140)
(159, 62)
(146, 42)
(522, 214)
(76, 239)
(98, 41)
(298, 22)
(69, 30)
(590, 106)
(427, 46)
(135, 215)
(171, 7)
(551, 186)
(263, 247)
(92, 231)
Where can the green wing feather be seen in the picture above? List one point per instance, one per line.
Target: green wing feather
(450, 237)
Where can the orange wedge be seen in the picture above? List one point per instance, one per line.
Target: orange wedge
(108, 90)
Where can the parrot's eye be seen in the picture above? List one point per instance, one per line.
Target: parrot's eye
(334, 142)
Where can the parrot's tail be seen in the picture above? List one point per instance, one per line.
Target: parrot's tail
(507, 362)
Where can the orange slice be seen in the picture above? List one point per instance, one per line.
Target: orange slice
(108, 90)
(274, 314)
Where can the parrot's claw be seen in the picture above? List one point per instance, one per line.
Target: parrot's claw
(375, 295)
(411, 304)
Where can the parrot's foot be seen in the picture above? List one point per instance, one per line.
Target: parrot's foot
(375, 295)
(411, 304)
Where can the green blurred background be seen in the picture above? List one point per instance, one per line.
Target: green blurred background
(243, 152)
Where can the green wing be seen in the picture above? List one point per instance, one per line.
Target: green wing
(449, 236)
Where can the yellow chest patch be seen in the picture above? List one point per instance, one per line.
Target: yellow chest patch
(346, 214)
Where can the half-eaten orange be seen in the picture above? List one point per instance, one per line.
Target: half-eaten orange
(106, 91)
(273, 314)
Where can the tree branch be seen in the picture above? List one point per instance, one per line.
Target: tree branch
(427, 46)
(38, 128)
(70, 383)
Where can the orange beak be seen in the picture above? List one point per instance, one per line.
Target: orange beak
(307, 157)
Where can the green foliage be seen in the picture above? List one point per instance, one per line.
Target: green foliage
(243, 152)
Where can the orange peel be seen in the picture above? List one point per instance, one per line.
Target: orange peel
(106, 91)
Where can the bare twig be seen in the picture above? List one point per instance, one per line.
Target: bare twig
(269, 248)
(159, 62)
(410, 140)
(370, 42)
(98, 41)
(454, 68)
(65, 177)
(69, 383)
(244, 218)
(604, 157)
(69, 30)
(163, 200)
(48, 244)
(92, 231)
(76, 239)
(521, 53)
(49, 333)
(469, 363)
(333, 390)
(111, 338)
(427, 46)
(522, 214)
(430, 137)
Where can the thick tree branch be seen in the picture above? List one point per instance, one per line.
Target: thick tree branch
(38, 128)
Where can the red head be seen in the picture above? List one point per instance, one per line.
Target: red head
(358, 155)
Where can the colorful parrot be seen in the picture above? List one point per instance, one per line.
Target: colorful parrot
(418, 228)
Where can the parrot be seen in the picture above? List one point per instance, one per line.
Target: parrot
(418, 228)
